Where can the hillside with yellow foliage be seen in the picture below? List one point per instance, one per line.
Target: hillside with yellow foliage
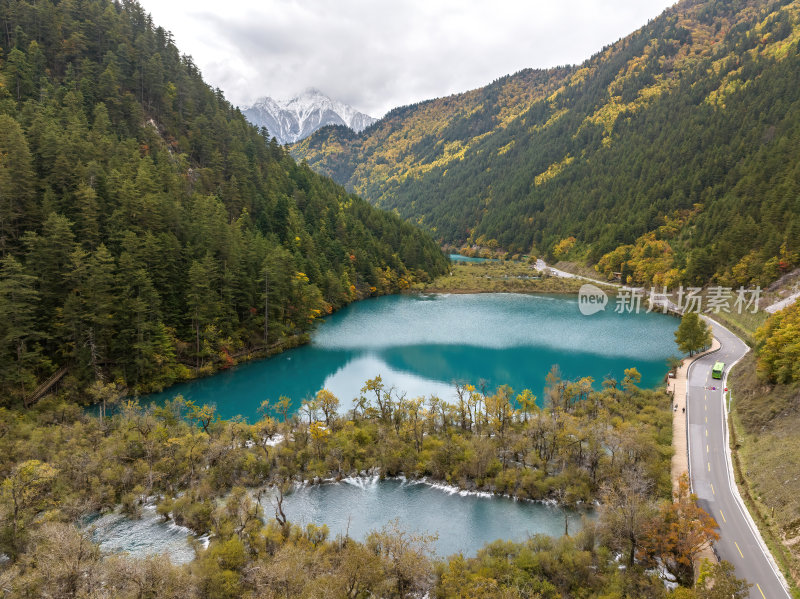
(693, 119)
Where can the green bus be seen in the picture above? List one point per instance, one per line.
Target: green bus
(717, 371)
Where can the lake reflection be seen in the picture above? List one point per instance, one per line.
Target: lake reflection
(421, 345)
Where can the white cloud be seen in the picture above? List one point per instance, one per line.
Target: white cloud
(377, 54)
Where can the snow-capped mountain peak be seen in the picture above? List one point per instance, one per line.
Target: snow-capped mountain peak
(293, 119)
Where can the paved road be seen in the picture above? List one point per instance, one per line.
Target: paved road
(780, 305)
(542, 265)
(710, 466)
(712, 478)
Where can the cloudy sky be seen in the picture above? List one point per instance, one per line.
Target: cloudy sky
(378, 54)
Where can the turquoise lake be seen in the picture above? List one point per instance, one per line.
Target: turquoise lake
(460, 258)
(421, 345)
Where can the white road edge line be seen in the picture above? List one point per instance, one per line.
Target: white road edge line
(729, 463)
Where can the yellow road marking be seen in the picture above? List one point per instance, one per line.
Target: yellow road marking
(706, 419)
(712, 488)
(723, 517)
(760, 591)
(737, 547)
(706, 447)
(709, 466)
(706, 432)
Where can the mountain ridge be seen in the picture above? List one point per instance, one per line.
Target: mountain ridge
(293, 119)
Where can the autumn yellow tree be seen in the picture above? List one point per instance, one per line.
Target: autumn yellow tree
(328, 404)
(319, 437)
(779, 346)
(527, 403)
(563, 247)
(23, 495)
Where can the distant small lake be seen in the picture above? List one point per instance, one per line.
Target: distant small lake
(460, 258)
(422, 344)
(463, 522)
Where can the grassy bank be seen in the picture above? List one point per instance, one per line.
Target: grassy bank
(500, 277)
(765, 438)
(744, 325)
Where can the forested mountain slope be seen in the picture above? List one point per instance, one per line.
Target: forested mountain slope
(677, 146)
(140, 212)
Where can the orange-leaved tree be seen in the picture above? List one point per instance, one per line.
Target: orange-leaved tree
(680, 531)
